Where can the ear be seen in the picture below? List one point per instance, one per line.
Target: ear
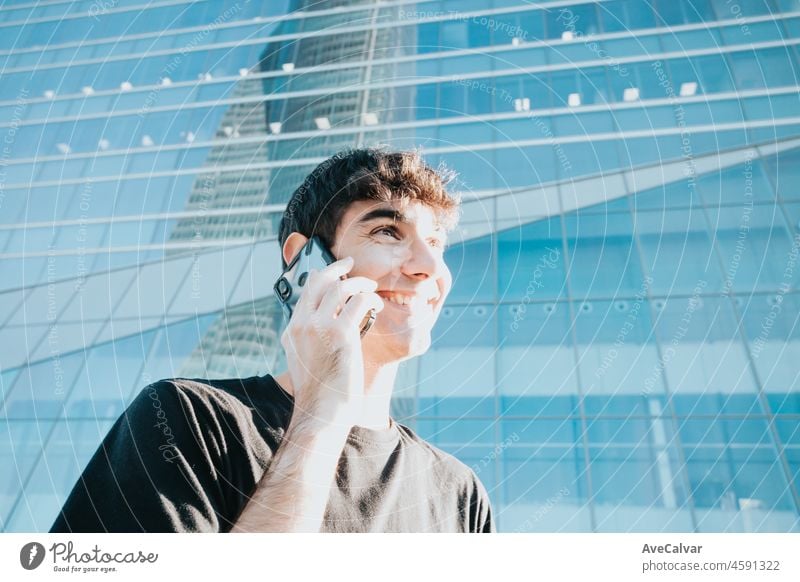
(293, 245)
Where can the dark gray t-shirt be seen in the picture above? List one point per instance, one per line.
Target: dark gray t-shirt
(187, 454)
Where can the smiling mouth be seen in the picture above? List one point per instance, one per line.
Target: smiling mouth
(407, 303)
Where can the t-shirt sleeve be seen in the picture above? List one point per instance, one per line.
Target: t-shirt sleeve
(157, 470)
(482, 520)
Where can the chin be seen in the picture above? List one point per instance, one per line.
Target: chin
(418, 345)
(405, 347)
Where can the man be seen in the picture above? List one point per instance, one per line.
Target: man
(313, 449)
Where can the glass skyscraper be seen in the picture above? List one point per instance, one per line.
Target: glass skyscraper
(616, 353)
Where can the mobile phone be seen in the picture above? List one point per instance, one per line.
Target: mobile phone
(290, 285)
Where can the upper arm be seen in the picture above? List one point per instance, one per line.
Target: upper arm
(157, 470)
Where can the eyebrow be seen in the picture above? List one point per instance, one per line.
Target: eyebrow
(394, 215)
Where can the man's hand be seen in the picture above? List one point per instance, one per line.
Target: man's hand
(323, 343)
(323, 351)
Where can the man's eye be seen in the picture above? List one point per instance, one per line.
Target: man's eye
(390, 229)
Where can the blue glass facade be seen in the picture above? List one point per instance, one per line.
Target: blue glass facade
(616, 352)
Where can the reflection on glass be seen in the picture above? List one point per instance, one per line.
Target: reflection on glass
(618, 357)
(703, 355)
(677, 251)
(460, 364)
(21, 443)
(738, 489)
(635, 488)
(543, 488)
(42, 388)
(103, 388)
(536, 360)
(68, 449)
(531, 262)
(603, 259)
(472, 267)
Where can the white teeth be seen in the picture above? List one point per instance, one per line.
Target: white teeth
(401, 299)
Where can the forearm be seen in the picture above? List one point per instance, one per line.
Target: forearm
(293, 493)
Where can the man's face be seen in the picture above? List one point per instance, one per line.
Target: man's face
(402, 249)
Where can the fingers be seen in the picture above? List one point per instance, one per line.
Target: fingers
(319, 281)
(333, 303)
(340, 291)
(354, 310)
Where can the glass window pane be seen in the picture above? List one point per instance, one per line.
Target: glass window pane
(677, 250)
(683, 71)
(154, 288)
(22, 272)
(623, 15)
(586, 159)
(724, 431)
(536, 360)
(739, 490)
(668, 13)
(42, 389)
(644, 480)
(21, 444)
(754, 255)
(452, 99)
(603, 259)
(532, 24)
(725, 10)
(547, 431)
(472, 267)
(426, 101)
(617, 356)
(103, 388)
(544, 489)
(12, 207)
(172, 348)
(582, 124)
(580, 19)
(702, 353)
(516, 169)
(453, 434)
(453, 35)
(680, 193)
(773, 334)
(715, 74)
(530, 262)
(69, 449)
(764, 68)
(460, 362)
(594, 86)
(478, 35)
(788, 430)
(738, 185)
(784, 171)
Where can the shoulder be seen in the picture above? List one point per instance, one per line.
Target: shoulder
(194, 389)
(455, 477)
(447, 466)
(243, 410)
(217, 397)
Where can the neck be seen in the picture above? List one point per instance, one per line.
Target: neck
(378, 386)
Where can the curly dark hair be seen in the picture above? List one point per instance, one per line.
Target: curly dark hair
(374, 173)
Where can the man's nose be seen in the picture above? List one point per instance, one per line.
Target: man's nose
(422, 261)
